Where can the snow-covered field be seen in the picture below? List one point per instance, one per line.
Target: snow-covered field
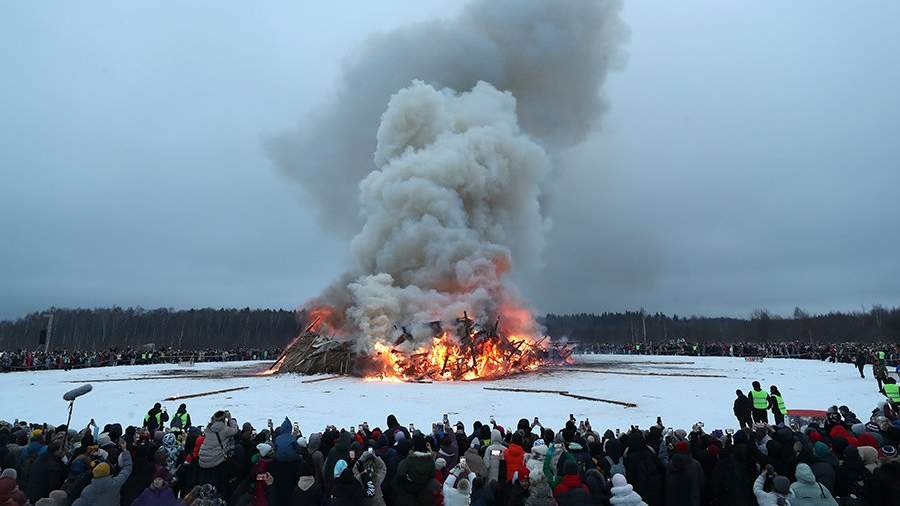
(681, 401)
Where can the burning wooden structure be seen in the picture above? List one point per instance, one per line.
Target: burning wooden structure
(468, 352)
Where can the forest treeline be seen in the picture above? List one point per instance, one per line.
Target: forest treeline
(97, 329)
(877, 324)
(100, 329)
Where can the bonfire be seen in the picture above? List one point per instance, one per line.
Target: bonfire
(470, 351)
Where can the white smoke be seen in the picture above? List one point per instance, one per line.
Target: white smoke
(453, 194)
(553, 56)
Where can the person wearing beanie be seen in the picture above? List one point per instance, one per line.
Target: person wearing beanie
(9, 489)
(158, 493)
(807, 491)
(824, 465)
(623, 494)
(780, 495)
(105, 489)
(571, 490)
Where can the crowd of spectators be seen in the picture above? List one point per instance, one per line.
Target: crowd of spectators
(28, 360)
(841, 458)
(841, 352)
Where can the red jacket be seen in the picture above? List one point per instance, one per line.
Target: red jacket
(569, 482)
(515, 461)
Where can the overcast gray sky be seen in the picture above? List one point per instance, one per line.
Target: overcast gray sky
(750, 157)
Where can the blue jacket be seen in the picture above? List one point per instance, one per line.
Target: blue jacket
(286, 447)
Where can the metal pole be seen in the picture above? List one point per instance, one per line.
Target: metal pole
(68, 421)
(49, 332)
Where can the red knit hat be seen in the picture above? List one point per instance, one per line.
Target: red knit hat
(682, 447)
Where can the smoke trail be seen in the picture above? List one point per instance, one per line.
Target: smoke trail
(453, 194)
(552, 56)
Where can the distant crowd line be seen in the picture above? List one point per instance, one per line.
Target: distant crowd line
(28, 360)
(840, 352)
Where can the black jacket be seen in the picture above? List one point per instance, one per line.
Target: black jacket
(47, 474)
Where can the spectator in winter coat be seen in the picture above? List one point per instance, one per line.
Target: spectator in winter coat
(743, 410)
(824, 465)
(415, 483)
(644, 469)
(370, 472)
(851, 475)
(493, 454)
(884, 487)
(345, 490)
(623, 494)
(308, 491)
(598, 486)
(474, 461)
(46, 473)
(217, 447)
(779, 496)
(808, 492)
(456, 491)
(340, 451)
(105, 489)
(181, 420)
(684, 478)
(571, 490)
(514, 456)
(10, 495)
(159, 493)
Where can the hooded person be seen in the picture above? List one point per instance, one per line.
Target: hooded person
(475, 462)
(623, 494)
(884, 487)
(105, 489)
(285, 467)
(314, 447)
(645, 471)
(869, 457)
(539, 491)
(393, 427)
(345, 489)
(340, 451)
(684, 478)
(514, 457)
(807, 491)
(389, 456)
(493, 455)
(308, 491)
(159, 493)
(780, 495)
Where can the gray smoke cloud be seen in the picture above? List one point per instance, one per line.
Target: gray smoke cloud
(552, 56)
(451, 201)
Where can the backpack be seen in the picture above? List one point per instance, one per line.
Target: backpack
(616, 467)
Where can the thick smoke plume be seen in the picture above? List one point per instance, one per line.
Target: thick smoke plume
(452, 196)
(552, 56)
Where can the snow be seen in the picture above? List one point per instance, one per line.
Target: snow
(681, 401)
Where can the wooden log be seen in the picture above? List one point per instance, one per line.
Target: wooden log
(326, 378)
(201, 394)
(526, 390)
(597, 399)
(627, 373)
